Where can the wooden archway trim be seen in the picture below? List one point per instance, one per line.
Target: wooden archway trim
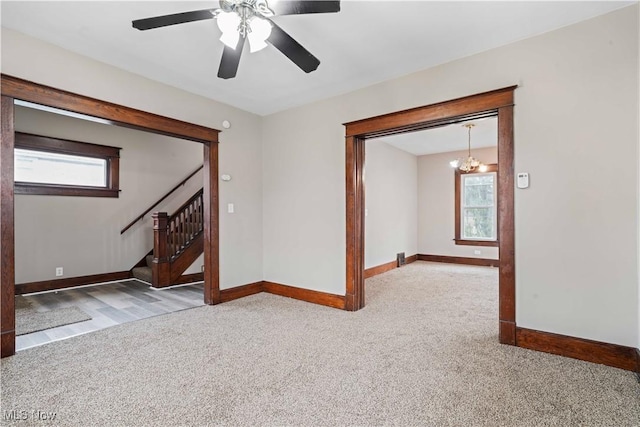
(494, 103)
(105, 112)
(13, 88)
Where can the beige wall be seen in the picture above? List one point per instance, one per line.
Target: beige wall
(240, 146)
(576, 121)
(391, 222)
(576, 133)
(436, 205)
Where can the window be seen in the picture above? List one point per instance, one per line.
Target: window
(476, 207)
(52, 166)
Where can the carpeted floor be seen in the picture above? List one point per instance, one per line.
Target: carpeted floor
(29, 319)
(423, 352)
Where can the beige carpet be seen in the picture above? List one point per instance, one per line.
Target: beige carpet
(423, 352)
(29, 320)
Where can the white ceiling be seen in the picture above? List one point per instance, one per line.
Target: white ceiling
(367, 42)
(446, 138)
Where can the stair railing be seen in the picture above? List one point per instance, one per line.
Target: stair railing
(180, 184)
(185, 225)
(173, 234)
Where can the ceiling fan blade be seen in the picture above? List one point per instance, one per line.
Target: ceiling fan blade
(176, 18)
(230, 60)
(292, 49)
(288, 7)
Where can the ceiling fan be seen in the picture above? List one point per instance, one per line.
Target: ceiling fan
(250, 19)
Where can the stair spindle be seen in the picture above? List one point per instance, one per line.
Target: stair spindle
(182, 224)
(190, 222)
(173, 237)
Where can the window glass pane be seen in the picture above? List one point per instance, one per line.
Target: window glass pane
(478, 223)
(477, 179)
(478, 206)
(53, 168)
(478, 190)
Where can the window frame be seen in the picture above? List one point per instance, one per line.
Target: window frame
(49, 144)
(458, 209)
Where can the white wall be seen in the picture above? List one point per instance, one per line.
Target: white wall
(436, 205)
(240, 146)
(576, 121)
(391, 223)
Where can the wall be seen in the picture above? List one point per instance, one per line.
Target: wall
(391, 223)
(576, 105)
(82, 234)
(576, 133)
(240, 146)
(436, 205)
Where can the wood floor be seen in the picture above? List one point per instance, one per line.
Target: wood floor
(109, 304)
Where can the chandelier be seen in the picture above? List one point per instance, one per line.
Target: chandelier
(244, 18)
(470, 163)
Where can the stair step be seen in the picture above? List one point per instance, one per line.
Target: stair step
(143, 273)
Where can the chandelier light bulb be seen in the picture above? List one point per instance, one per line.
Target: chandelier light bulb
(482, 167)
(454, 163)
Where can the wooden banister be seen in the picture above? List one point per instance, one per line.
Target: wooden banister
(161, 199)
(185, 224)
(177, 240)
(160, 267)
(197, 195)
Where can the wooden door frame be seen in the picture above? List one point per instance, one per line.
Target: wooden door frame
(12, 89)
(494, 103)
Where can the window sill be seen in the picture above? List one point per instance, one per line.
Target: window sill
(494, 243)
(64, 190)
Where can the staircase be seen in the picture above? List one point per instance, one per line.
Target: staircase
(178, 242)
(144, 273)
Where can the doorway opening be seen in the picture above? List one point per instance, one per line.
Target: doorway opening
(15, 89)
(498, 103)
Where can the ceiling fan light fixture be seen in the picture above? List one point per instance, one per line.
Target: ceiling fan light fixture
(250, 19)
(259, 32)
(228, 23)
(230, 38)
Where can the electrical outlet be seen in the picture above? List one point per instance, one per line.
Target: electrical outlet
(59, 271)
(477, 252)
(202, 268)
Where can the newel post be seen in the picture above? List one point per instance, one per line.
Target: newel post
(160, 267)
